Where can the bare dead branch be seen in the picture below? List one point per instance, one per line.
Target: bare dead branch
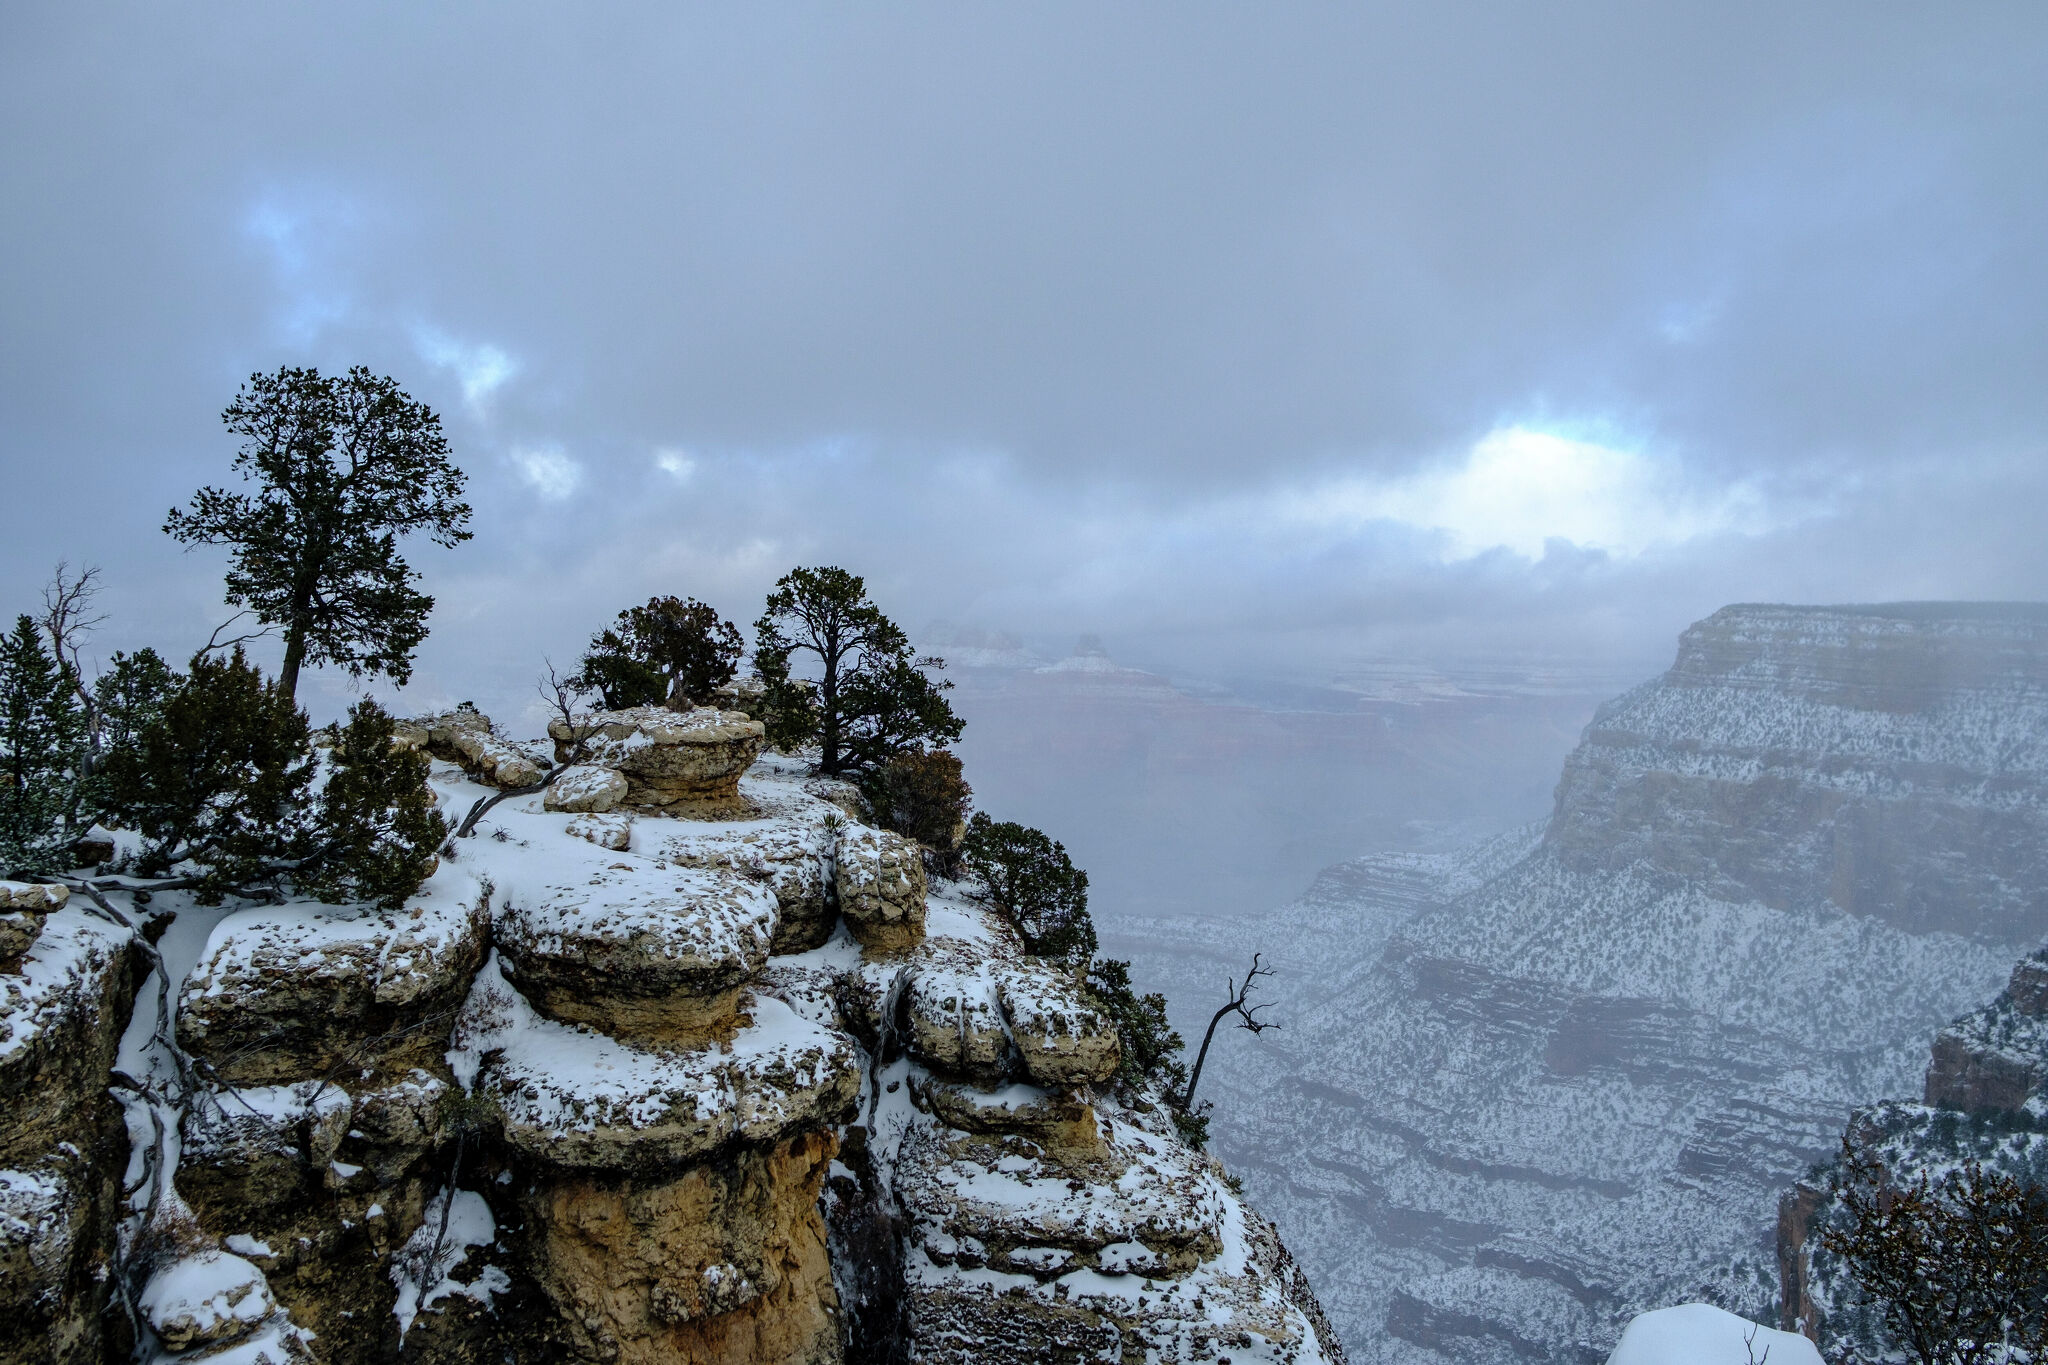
(1247, 1018)
(214, 642)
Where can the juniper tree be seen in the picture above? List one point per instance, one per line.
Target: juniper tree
(1149, 1049)
(219, 777)
(670, 652)
(873, 697)
(345, 465)
(42, 747)
(1032, 881)
(376, 826)
(922, 795)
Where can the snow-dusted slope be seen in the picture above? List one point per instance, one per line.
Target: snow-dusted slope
(1528, 1091)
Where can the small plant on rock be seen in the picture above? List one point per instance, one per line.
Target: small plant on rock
(1151, 1049)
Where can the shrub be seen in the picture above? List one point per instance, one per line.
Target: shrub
(218, 777)
(1151, 1048)
(922, 796)
(1036, 886)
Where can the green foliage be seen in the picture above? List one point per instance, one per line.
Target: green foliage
(1957, 1265)
(1151, 1048)
(670, 652)
(42, 754)
(376, 823)
(1037, 887)
(345, 465)
(873, 697)
(921, 794)
(218, 777)
(130, 696)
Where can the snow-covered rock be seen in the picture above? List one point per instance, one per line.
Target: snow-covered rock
(205, 1299)
(586, 787)
(688, 759)
(283, 992)
(1701, 1334)
(881, 886)
(466, 736)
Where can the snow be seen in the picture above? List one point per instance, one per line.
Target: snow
(1701, 1334)
(65, 968)
(208, 1296)
(424, 1267)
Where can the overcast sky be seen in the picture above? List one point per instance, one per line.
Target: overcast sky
(1234, 333)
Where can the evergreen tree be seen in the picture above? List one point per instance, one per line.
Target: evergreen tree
(922, 795)
(873, 697)
(130, 695)
(218, 777)
(1036, 886)
(376, 825)
(672, 652)
(42, 751)
(346, 465)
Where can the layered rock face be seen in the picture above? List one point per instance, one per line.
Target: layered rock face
(1533, 1088)
(64, 997)
(616, 1086)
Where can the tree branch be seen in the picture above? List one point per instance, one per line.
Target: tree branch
(1248, 1018)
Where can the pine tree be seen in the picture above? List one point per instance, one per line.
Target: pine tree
(1030, 878)
(346, 466)
(42, 750)
(219, 777)
(376, 826)
(672, 652)
(1150, 1049)
(873, 698)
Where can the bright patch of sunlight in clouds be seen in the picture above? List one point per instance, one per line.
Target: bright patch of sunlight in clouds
(480, 367)
(1518, 488)
(675, 464)
(551, 474)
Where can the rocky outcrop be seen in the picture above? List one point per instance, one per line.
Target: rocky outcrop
(690, 760)
(615, 1087)
(880, 880)
(24, 906)
(1530, 1089)
(466, 736)
(1995, 1060)
(63, 1146)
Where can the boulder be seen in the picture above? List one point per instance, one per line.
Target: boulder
(205, 1299)
(613, 831)
(954, 1022)
(881, 884)
(637, 950)
(670, 759)
(585, 788)
(1062, 1036)
(792, 858)
(578, 1100)
(282, 993)
(465, 736)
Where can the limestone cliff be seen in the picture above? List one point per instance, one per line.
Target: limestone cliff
(676, 1060)
(1533, 1087)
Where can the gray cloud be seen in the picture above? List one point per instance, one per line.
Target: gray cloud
(1057, 318)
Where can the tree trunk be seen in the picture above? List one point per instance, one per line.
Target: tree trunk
(1187, 1101)
(828, 728)
(294, 653)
